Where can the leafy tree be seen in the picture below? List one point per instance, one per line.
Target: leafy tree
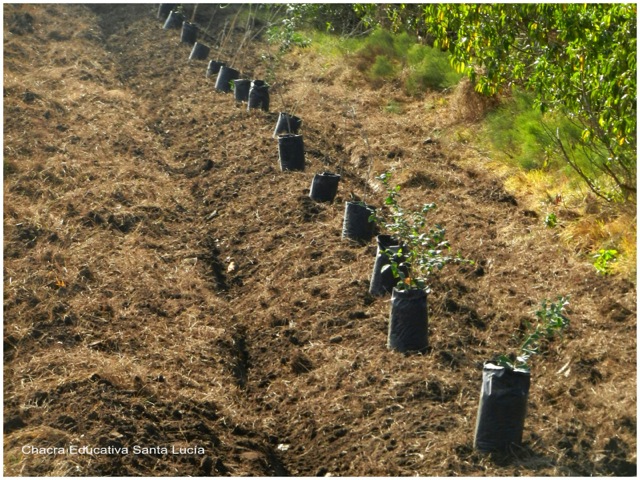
(337, 18)
(578, 59)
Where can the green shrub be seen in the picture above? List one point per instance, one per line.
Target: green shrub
(286, 36)
(382, 69)
(379, 43)
(423, 251)
(603, 260)
(429, 69)
(384, 56)
(552, 321)
(402, 43)
(524, 137)
(515, 129)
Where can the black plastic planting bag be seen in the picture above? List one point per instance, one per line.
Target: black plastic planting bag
(199, 51)
(214, 67)
(189, 33)
(241, 89)
(502, 409)
(291, 152)
(408, 323)
(164, 9)
(225, 75)
(174, 20)
(258, 95)
(382, 282)
(287, 124)
(324, 187)
(356, 224)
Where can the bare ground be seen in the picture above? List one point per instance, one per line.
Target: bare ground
(165, 284)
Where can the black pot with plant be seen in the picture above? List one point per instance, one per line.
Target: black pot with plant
(214, 67)
(408, 321)
(241, 89)
(200, 51)
(174, 20)
(164, 9)
(357, 223)
(287, 124)
(189, 33)
(324, 187)
(291, 152)
(506, 380)
(382, 279)
(258, 95)
(225, 76)
(421, 253)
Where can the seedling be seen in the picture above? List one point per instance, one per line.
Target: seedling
(603, 260)
(551, 220)
(551, 322)
(423, 249)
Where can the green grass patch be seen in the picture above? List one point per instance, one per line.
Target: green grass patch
(383, 56)
(428, 68)
(387, 56)
(393, 107)
(333, 46)
(522, 136)
(382, 69)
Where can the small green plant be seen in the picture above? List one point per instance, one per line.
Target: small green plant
(603, 260)
(286, 36)
(428, 69)
(551, 220)
(386, 56)
(378, 43)
(423, 248)
(382, 69)
(393, 107)
(551, 322)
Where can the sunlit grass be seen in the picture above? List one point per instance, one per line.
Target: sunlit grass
(525, 156)
(384, 57)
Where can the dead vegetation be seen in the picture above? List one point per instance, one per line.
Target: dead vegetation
(166, 284)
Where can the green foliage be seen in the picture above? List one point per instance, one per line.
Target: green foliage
(551, 322)
(520, 135)
(382, 69)
(387, 56)
(579, 60)
(402, 43)
(516, 130)
(603, 260)
(286, 36)
(338, 18)
(551, 220)
(422, 251)
(378, 43)
(429, 68)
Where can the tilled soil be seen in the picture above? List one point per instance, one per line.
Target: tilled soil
(166, 285)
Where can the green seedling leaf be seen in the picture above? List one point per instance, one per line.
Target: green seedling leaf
(551, 323)
(424, 246)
